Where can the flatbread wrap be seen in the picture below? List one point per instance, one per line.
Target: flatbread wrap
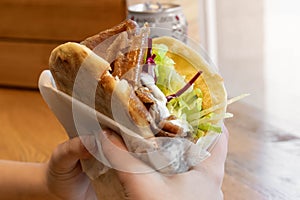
(158, 88)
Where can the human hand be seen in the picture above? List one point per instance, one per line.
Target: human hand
(65, 178)
(203, 181)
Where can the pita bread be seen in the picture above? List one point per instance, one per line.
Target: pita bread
(82, 74)
(187, 63)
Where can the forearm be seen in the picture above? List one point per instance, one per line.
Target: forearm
(20, 180)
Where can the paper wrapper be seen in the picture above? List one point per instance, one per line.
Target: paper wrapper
(166, 155)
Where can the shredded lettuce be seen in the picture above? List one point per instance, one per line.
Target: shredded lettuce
(168, 80)
(161, 58)
(187, 106)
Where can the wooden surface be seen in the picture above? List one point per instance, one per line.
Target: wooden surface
(26, 60)
(29, 131)
(30, 29)
(263, 159)
(58, 20)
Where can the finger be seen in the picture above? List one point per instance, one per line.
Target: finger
(119, 158)
(218, 152)
(66, 156)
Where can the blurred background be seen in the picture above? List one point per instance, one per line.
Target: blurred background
(257, 52)
(255, 44)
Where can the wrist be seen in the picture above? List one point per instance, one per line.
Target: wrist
(24, 180)
(45, 183)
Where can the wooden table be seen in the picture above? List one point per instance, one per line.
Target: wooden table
(263, 159)
(29, 131)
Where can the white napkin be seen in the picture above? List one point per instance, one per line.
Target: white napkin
(173, 155)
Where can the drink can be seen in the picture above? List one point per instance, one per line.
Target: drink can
(167, 18)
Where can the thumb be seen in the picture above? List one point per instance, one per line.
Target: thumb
(66, 156)
(219, 151)
(214, 164)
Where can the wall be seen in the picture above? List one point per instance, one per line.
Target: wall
(240, 40)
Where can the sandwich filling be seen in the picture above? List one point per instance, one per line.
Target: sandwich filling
(175, 103)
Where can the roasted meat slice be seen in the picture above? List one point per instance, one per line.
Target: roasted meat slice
(93, 41)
